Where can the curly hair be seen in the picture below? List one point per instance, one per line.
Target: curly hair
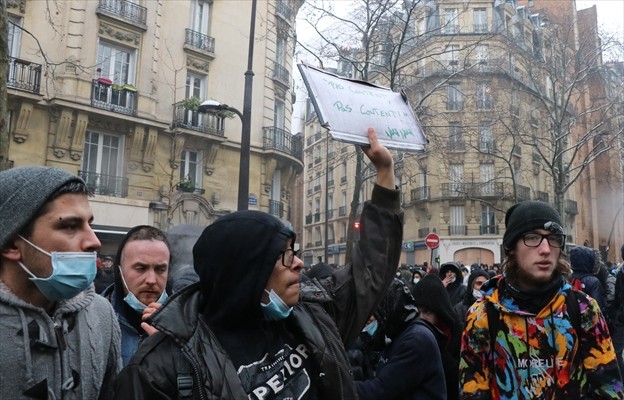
(510, 266)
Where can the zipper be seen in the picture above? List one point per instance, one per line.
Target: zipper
(60, 337)
(196, 375)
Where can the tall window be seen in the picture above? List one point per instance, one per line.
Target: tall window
(457, 224)
(14, 35)
(195, 87)
(486, 141)
(116, 63)
(451, 53)
(485, 100)
(483, 56)
(200, 15)
(488, 220)
(103, 162)
(479, 18)
(330, 204)
(279, 114)
(280, 49)
(454, 97)
(487, 179)
(456, 178)
(456, 138)
(451, 21)
(190, 167)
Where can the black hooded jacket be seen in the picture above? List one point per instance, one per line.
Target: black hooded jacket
(214, 329)
(456, 290)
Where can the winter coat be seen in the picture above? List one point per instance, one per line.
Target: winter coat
(71, 354)
(409, 368)
(456, 290)
(537, 355)
(461, 308)
(207, 326)
(585, 266)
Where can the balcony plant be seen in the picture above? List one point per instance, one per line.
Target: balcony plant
(186, 185)
(129, 88)
(191, 103)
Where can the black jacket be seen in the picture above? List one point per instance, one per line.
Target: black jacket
(190, 347)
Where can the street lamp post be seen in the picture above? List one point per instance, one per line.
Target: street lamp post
(245, 116)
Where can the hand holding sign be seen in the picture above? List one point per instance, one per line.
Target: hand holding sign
(348, 108)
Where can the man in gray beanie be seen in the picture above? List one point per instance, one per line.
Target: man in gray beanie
(531, 336)
(60, 339)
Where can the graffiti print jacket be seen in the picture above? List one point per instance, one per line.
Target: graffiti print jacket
(537, 355)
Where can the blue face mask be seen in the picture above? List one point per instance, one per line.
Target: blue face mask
(371, 327)
(275, 309)
(72, 272)
(135, 303)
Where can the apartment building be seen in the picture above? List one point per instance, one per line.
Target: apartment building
(507, 121)
(110, 90)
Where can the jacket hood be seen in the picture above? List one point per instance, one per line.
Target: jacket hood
(234, 258)
(583, 260)
(477, 272)
(396, 309)
(452, 266)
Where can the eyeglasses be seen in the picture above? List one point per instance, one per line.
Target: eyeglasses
(535, 239)
(288, 256)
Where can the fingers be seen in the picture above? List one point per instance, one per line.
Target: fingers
(150, 330)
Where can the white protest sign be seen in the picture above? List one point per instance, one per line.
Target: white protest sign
(348, 108)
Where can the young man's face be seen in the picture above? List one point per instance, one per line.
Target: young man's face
(145, 267)
(66, 226)
(536, 264)
(285, 280)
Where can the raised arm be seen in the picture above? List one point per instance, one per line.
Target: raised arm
(381, 159)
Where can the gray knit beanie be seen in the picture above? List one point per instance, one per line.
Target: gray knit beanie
(527, 216)
(23, 191)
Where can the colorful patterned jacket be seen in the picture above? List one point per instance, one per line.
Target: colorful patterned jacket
(537, 356)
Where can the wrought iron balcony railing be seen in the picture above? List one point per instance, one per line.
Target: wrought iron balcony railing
(105, 185)
(125, 9)
(419, 193)
(116, 98)
(276, 208)
(24, 75)
(199, 41)
(281, 74)
(489, 229)
(523, 193)
(454, 230)
(281, 140)
(213, 124)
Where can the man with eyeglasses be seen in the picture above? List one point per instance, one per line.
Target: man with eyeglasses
(532, 336)
(249, 329)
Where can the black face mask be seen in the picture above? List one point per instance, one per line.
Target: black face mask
(533, 300)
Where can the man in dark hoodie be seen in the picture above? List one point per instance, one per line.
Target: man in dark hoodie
(473, 293)
(585, 267)
(249, 329)
(453, 279)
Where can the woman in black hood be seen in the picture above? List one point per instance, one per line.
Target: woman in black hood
(475, 281)
(453, 279)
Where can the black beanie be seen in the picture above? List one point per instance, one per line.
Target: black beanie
(527, 216)
(431, 293)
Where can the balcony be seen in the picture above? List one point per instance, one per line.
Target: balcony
(487, 146)
(330, 214)
(190, 189)
(342, 211)
(419, 193)
(571, 207)
(318, 243)
(115, 98)
(485, 189)
(317, 217)
(343, 179)
(281, 140)
(456, 145)
(281, 74)
(454, 105)
(105, 185)
(541, 196)
(480, 28)
(199, 41)
(213, 124)
(489, 229)
(24, 75)
(283, 10)
(523, 193)
(128, 11)
(276, 208)
(308, 219)
(330, 183)
(485, 104)
(317, 188)
(455, 230)
(423, 232)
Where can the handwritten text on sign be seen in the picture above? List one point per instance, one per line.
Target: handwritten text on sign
(347, 108)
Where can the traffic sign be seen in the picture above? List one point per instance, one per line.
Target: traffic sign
(432, 240)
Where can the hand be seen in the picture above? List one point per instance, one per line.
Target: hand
(447, 280)
(382, 160)
(149, 310)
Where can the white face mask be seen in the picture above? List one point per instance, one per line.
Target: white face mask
(476, 293)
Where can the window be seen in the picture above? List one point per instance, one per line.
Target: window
(279, 114)
(451, 54)
(457, 224)
(485, 100)
(479, 19)
(486, 142)
(102, 163)
(483, 56)
(280, 49)
(14, 36)
(487, 179)
(456, 177)
(488, 220)
(200, 14)
(454, 97)
(451, 21)
(456, 138)
(195, 87)
(116, 63)
(190, 167)
(317, 205)
(343, 170)
(330, 203)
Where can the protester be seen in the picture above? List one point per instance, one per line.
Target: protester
(141, 272)
(475, 281)
(417, 275)
(60, 340)
(618, 315)
(532, 336)
(453, 279)
(104, 277)
(585, 267)
(410, 365)
(320, 270)
(436, 309)
(249, 329)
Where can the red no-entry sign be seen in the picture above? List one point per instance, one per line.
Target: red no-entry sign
(432, 240)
